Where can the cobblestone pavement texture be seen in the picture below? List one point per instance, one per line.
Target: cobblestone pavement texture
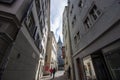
(58, 76)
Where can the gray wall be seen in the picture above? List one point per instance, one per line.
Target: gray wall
(103, 31)
(23, 67)
(102, 24)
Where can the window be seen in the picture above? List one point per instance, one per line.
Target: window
(75, 39)
(100, 66)
(87, 23)
(112, 58)
(94, 13)
(40, 48)
(71, 9)
(38, 7)
(74, 17)
(72, 23)
(42, 51)
(30, 20)
(37, 41)
(30, 24)
(89, 69)
(74, 20)
(41, 27)
(78, 36)
(80, 4)
(72, 6)
(18, 55)
(34, 32)
(92, 17)
(46, 3)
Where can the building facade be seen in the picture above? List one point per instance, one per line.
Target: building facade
(94, 32)
(46, 21)
(59, 55)
(51, 53)
(21, 29)
(67, 50)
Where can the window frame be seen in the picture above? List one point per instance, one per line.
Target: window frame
(89, 16)
(96, 12)
(80, 3)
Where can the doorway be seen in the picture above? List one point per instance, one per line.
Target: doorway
(80, 74)
(100, 67)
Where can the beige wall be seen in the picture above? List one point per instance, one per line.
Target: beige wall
(67, 43)
(51, 52)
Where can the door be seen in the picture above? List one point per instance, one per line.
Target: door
(113, 61)
(80, 74)
(100, 67)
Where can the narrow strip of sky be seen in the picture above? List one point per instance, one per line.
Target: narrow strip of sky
(57, 8)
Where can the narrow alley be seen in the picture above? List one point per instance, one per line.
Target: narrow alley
(59, 39)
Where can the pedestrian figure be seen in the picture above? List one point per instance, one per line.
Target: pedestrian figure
(54, 70)
(51, 71)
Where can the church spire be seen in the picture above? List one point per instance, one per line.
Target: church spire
(59, 40)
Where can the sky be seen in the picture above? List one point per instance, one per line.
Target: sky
(57, 8)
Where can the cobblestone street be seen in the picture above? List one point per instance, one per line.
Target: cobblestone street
(58, 76)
